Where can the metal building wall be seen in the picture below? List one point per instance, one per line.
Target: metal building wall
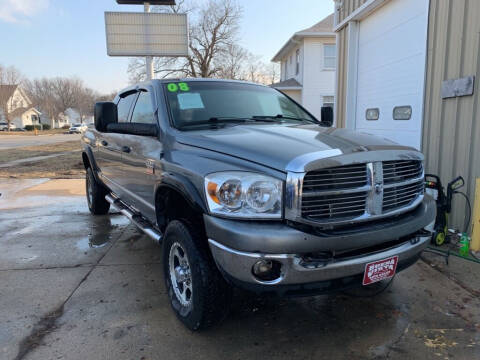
(345, 8)
(342, 62)
(451, 127)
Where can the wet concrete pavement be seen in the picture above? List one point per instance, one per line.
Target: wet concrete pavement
(74, 286)
(17, 141)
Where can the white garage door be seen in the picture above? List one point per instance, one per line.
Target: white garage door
(391, 71)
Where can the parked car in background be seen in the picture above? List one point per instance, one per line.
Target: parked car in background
(77, 128)
(4, 126)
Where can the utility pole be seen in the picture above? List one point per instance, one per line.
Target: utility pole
(148, 59)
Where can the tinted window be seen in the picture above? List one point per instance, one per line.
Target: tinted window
(123, 107)
(197, 101)
(143, 111)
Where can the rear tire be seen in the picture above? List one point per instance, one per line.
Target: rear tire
(96, 195)
(198, 293)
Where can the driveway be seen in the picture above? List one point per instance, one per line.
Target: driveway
(16, 141)
(74, 286)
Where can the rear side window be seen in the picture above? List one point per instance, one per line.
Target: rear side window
(143, 111)
(124, 106)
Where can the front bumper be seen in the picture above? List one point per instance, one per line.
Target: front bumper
(236, 246)
(295, 270)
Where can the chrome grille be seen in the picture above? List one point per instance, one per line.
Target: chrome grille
(401, 170)
(334, 206)
(399, 196)
(335, 178)
(360, 191)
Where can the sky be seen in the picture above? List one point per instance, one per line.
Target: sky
(48, 38)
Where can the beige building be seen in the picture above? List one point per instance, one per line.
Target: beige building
(307, 66)
(406, 70)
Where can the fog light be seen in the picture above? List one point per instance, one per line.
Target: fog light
(266, 270)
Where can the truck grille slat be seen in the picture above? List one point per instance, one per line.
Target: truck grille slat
(401, 170)
(354, 197)
(340, 193)
(337, 209)
(333, 178)
(333, 202)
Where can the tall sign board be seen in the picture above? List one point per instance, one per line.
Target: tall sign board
(146, 34)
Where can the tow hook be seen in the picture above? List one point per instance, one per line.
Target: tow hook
(420, 234)
(316, 260)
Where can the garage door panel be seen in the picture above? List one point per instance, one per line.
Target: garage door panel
(391, 47)
(390, 16)
(391, 69)
(391, 81)
(386, 120)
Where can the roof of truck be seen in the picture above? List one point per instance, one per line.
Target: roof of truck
(163, 81)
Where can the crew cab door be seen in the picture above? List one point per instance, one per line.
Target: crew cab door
(109, 154)
(141, 157)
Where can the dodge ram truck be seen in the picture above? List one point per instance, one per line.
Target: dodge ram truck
(244, 187)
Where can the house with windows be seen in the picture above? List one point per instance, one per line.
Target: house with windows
(307, 66)
(18, 106)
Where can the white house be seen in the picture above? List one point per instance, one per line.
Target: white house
(19, 107)
(307, 66)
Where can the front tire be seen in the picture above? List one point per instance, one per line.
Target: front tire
(198, 293)
(96, 195)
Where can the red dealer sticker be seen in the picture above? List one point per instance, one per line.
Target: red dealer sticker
(380, 270)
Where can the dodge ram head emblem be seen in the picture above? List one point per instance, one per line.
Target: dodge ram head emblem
(378, 188)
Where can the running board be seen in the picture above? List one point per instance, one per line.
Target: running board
(137, 219)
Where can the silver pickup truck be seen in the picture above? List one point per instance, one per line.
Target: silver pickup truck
(244, 187)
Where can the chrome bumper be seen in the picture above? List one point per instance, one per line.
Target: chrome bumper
(238, 264)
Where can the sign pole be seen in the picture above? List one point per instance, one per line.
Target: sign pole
(148, 59)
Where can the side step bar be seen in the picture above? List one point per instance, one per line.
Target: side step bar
(137, 219)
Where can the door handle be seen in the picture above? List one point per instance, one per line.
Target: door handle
(104, 143)
(126, 149)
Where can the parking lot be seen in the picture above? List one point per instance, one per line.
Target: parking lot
(73, 286)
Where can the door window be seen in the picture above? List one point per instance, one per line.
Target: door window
(143, 111)
(124, 105)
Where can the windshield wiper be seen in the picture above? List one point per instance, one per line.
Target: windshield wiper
(226, 120)
(281, 116)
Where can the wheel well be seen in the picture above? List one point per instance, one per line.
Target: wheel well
(171, 204)
(86, 162)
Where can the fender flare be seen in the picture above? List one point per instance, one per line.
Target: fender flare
(87, 151)
(185, 187)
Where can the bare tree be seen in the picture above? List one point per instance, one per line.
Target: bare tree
(233, 62)
(42, 94)
(67, 92)
(54, 96)
(9, 77)
(213, 32)
(85, 101)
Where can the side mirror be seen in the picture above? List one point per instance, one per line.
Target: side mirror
(105, 113)
(326, 117)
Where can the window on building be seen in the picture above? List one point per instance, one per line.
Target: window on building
(402, 112)
(328, 101)
(143, 111)
(329, 56)
(372, 114)
(297, 61)
(124, 105)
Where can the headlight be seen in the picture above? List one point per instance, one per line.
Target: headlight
(244, 195)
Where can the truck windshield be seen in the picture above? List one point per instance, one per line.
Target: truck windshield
(197, 103)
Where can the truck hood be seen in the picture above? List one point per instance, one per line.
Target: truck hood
(284, 146)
